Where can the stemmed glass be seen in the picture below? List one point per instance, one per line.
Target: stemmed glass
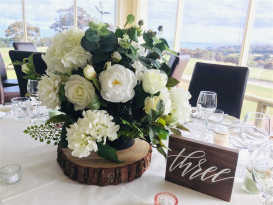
(32, 89)
(207, 104)
(255, 130)
(262, 171)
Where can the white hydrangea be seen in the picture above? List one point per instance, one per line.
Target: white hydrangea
(150, 103)
(48, 89)
(117, 84)
(154, 80)
(95, 126)
(65, 53)
(79, 91)
(181, 108)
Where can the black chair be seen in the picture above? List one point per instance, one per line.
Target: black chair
(173, 62)
(229, 82)
(24, 46)
(39, 64)
(3, 72)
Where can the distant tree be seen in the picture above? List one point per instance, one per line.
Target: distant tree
(15, 32)
(65, 19)
(5, 42)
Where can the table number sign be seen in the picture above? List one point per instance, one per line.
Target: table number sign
(203, 167)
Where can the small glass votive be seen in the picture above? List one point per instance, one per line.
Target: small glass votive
(165, 198)
(221, 136)
(217, 116)
(10, 174)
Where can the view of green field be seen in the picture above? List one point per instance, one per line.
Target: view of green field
(255, 73)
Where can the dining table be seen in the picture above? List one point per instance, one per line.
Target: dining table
(43, 181)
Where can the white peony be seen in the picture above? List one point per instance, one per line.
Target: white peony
(79, 91)
(153, 81)
(48, 89)
(150, 103)
(117, 84)
(95, 126)
(181, 108)
(65, 53)
(139, 69)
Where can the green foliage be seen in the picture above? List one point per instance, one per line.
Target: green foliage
(47, 133)
(172, 82)
(31, 72)
(62, 118)
(130, 19)
(107, 152)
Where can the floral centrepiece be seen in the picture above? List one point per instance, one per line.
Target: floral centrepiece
(110, 85)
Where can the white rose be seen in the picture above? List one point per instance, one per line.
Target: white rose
(150, 103)
(181, 108)
(79, 91)
(153, 81)
(89, 72)
(48, 89)
(117, 84)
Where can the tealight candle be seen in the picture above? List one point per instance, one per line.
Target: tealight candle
(221, 136)
(165, 198)
(10, 174)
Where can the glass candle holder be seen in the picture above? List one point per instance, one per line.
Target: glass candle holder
(10, 174)
(165, 198)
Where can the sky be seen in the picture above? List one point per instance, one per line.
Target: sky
(204, 21)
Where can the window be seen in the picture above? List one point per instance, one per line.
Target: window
(261, 53)
(45, 18)
(96, 10)
(213, 30)
(163, 13)
(11, 27)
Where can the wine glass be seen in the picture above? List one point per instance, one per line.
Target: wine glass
(255, 130)
(262, 171)
(207, 104)
(32, 89)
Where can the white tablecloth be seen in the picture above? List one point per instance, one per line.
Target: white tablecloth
(44, 183)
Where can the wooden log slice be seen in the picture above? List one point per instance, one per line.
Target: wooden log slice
(98, 171)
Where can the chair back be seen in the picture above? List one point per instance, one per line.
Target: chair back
(173, 62)
(229, 82)
(39, 64)
(2, 95)
(24, 46)
(3, 71)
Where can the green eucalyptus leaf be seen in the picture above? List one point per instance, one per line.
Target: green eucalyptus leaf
(164, 67)
(172, 82)
(60, 118)
(108, 43)
(132, 33)
(107, 152)
(119, 32)
(130, 19)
